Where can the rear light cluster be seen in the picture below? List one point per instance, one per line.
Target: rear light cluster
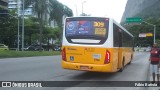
(64, 54)
(107, 58)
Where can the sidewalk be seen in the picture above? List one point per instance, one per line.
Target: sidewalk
(151, 79)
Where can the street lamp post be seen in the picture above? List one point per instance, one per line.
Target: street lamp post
(76, 10)
(23, 27)
(82, 6)
(154, 40)
(154, 34)
(18, 35)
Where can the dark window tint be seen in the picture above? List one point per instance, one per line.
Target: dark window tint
(89, 28)
(115, 36)
(121, 38)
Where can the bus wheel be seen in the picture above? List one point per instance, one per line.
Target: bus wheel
(131, 59)
(122, 66)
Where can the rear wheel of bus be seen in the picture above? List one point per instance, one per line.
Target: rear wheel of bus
(122, 65)
(131, 59)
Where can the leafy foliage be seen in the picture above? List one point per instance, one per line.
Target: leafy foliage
(145, 28)
(36, 28)
(58, 11)
(8, 29)
(43, 8)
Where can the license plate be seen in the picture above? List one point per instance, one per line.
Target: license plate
(84, 67)
(96, 56)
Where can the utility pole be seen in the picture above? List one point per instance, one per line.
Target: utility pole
(154, 34)
(82, 6)
(76, 10)
(18, 25)
(23, 26)
(18, 36)
(154, 26)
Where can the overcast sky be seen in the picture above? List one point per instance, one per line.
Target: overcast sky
(107, 8)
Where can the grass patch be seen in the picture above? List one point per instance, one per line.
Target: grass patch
(11, 54)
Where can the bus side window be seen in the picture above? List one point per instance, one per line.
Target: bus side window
(120, 38)
(115, 36)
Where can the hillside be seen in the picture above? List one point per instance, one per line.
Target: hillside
(152, 11)
(141, 8)
(149, 11)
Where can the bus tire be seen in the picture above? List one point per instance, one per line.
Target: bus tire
(122, 65)
(131, 59)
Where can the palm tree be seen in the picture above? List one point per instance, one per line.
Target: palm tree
(42, 8)
(58, 11)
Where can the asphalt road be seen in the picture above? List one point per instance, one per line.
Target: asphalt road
(48, 68)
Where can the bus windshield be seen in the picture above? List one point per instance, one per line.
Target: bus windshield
(86, 30)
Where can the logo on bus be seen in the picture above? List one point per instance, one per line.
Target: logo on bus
(70, 26)
(71, 58)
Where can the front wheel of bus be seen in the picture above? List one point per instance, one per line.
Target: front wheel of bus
(122, 66)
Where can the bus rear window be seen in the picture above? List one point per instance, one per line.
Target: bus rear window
(86, 30)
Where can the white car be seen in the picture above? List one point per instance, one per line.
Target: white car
(3, 47)
(148, 49)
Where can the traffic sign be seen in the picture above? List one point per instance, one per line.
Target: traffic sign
(142, 35)
(149, 34)
(145, 35)
(134, 20)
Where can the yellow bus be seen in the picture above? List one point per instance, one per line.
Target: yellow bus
(95, 44)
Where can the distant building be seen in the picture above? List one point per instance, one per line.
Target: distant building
(3, 4)
(16, 5)
(3, 8)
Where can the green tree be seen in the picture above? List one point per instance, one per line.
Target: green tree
(58, 13)
(145, 28)
(42, 8)
(8, 29)
(52, 34)
(31, 29)
(59, 10)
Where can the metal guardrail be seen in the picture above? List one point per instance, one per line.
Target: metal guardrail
(142, 49)
(13, 49)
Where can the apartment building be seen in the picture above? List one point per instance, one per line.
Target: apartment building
(16, 5)
(3, 4)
